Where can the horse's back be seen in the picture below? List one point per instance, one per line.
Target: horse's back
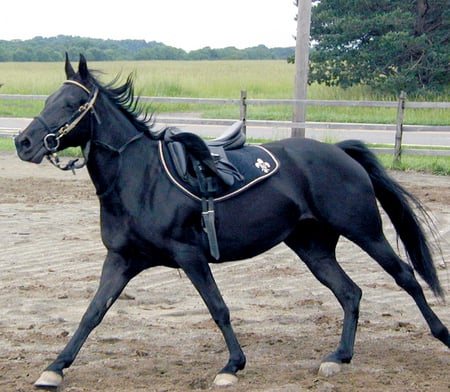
(334, 184)
(322, 164)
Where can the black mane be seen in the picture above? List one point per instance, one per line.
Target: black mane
(123, 97)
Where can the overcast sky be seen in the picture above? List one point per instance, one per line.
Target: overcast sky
(183, 24)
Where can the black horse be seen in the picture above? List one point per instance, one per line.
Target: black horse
(318, 193)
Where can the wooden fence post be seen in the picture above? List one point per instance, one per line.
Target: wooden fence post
(244, 110)
(399, 128)
(302, 44)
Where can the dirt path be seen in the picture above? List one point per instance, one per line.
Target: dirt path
(159, 337)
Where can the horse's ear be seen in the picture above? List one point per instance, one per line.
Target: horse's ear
(68, 67)
(82, 67)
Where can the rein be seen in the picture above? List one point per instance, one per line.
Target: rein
(52, 139)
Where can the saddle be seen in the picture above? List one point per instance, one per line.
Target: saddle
(213, 170)
(203, 163)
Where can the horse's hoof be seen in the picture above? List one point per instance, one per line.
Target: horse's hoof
(225, 380)
(49, 380)
(328, 369)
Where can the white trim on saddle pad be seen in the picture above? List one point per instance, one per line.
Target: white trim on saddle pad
(260, 163)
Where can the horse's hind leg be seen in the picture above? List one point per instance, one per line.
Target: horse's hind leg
(403, 274)
(316, 244)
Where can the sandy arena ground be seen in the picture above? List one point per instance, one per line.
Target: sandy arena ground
(159, 336)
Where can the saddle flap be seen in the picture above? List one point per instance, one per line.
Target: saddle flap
(178, 154)
(195, 146)
(227, 171)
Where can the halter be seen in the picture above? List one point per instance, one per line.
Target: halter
(52, 139)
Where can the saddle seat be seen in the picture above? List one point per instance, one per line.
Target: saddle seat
(233, 138)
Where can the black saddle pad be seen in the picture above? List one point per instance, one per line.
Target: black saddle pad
(254, 163)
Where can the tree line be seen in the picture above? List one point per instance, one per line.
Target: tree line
(51, 49)
(389, 45)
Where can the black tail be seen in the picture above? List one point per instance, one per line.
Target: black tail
(397, 202)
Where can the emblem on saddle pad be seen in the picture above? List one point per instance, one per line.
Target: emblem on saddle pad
(262, 165)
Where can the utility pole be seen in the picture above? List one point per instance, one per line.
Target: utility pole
(301, 64)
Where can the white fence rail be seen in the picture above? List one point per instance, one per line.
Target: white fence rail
(397, 129)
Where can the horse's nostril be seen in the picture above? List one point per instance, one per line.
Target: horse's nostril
(22, 142)
(25, 143)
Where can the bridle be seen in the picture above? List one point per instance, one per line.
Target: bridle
(53, 137)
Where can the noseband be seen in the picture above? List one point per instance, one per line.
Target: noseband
(52, 139)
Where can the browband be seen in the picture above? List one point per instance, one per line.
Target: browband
(77, 84)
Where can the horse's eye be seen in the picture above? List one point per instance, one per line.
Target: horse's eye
(70, 105)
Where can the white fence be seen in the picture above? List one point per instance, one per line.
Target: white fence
(397, 128)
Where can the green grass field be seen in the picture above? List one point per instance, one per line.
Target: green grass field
(210, 79)
(220, 79)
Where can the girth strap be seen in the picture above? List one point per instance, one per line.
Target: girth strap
(208, 186)
(209, 226)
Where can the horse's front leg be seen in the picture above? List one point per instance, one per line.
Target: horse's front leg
(200, 275)
(116, 273)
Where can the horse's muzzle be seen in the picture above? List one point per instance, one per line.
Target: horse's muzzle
(28, 151)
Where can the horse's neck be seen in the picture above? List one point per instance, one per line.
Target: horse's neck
(114, 131)
(110, 141)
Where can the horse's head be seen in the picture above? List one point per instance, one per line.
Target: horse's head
(64, 121)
